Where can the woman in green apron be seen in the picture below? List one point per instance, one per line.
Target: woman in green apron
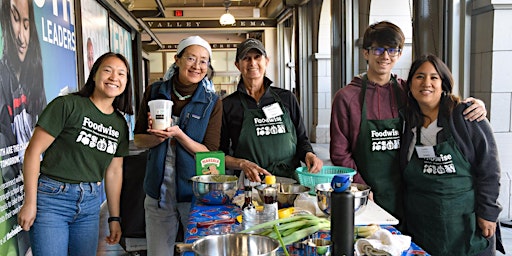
(451, 168)
(262, 127)
(365, 126)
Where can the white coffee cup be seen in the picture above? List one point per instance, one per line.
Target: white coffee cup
(161, 113)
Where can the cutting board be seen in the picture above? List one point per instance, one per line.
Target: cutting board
(371, 214)
(374, 214)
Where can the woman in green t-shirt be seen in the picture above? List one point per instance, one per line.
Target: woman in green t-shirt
(84, 138)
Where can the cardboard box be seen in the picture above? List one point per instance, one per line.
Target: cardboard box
(210, 163)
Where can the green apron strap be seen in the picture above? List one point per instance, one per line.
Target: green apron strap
(244, 102)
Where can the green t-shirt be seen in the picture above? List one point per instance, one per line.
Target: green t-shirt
(86, 140)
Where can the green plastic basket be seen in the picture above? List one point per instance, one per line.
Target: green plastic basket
(324, 176)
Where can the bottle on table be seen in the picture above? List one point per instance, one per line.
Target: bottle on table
(270, 196)
(342, 216)
(250, 215)
(248, 198)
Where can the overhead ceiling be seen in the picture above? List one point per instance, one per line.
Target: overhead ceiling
(197, 9)
(160, 8)
(194, 3)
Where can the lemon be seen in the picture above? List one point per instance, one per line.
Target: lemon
(284, 213)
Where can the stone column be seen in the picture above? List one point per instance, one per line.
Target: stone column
(491, 78)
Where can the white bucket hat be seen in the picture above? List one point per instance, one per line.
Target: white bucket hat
(194, 40)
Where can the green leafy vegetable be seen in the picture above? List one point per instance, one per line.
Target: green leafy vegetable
(291, 229)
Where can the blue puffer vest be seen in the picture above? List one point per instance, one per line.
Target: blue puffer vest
(193, 121)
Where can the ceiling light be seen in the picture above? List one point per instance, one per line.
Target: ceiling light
(227, 18)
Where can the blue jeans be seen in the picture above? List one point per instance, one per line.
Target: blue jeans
(67, 220)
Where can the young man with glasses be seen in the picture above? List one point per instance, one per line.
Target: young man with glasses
(365, 125)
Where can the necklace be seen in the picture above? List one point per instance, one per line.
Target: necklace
(179, 95)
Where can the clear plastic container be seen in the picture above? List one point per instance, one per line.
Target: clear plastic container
(253, 217)
(221, 229)
(161, 113)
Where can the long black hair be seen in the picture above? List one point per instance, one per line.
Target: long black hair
(122, 102)
(31, 69)
(448, 99)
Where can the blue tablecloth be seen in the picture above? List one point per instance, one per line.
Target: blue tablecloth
(201, 212)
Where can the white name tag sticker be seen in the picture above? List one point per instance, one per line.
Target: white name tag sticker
(425, 151)
(272, 110)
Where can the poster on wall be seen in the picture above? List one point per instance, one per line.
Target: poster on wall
(94, 32)
(121, 42)
(38, 63)
(56, 28)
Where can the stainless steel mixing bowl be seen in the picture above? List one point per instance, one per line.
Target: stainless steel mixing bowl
(286, 193)
(323, 196)
(233, 245)
(214, 189)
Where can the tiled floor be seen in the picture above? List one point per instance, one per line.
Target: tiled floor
(322, 151)
(105, 249)
(506, 234)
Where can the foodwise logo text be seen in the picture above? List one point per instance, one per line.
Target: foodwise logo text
(96, 135)
(269, 126)
(442, 164)
(385, 140)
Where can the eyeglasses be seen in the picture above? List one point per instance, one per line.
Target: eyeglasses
(377, 51)
(193, 60)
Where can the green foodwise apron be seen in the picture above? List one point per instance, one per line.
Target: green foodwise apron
(268, 142)
(440, 202)
(377, 156)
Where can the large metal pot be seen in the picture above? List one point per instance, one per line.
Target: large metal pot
(232, 245)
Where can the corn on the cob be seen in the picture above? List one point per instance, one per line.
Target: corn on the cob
(366, 231)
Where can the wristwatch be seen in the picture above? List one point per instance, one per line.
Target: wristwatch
(110, 219)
